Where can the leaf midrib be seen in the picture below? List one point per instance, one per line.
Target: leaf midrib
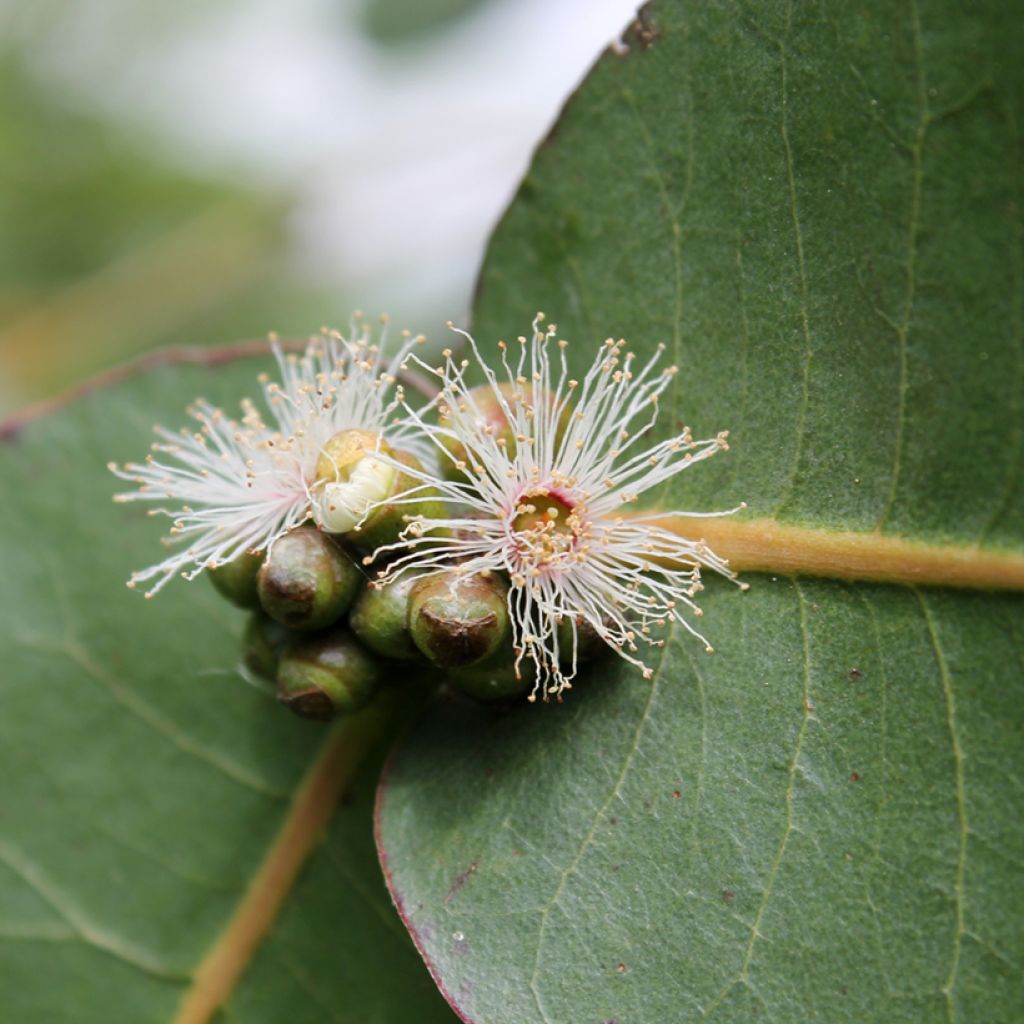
(751, 545)
(312, 806)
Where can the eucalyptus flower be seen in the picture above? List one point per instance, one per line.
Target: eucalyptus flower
(310, 451)
(544, 492)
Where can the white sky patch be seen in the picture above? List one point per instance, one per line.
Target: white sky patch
(402, 158)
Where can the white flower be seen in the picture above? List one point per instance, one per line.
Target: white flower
(546, 499)
(238, 485)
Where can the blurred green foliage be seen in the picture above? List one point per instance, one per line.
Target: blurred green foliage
(107, 248)
(398, 21)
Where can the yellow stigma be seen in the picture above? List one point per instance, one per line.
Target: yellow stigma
(539, 510)
(549, 529)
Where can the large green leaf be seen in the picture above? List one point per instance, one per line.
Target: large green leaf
(816, 207)
(144, 782)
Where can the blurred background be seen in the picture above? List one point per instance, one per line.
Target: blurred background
(206, 171)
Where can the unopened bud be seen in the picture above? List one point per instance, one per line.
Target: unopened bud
(262, 645)
(349, 479)
(307, 582)
(495, 680)
(352, 480)
(457, 621)
(236, 580)
(384, 525)
(327, 675)
(380, 619)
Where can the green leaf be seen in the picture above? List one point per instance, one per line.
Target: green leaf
(146, 784)
(817, 209)
(106, 249)
(394, 22)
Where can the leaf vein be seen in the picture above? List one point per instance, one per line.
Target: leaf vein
(959, 929)
(743, 977)
(83, 929)
(165, 727)
(591, 832)
(805, 321)
(913, 230)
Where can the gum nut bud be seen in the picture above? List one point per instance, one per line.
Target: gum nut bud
(588, 643)
(307, 582)
(350, 479)
(380, 619)
(386, 522)
(236, 580)
(326, 675)
(457, 621)
(495, 680)
(262, 644)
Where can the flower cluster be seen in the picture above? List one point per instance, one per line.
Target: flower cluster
(242, 483)
(547, 467)
(530, 477)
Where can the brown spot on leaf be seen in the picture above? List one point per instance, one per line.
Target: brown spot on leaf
(621, 968)
(728, 895)
(677, 794)
(642, 32)
(854, 777)
(460, 881)
(855, 674)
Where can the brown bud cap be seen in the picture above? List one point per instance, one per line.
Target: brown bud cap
(326, 675)
(236, 580)
(457, 621)
(307, 581)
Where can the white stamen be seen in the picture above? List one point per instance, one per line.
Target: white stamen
(243, 483)
(547, 510)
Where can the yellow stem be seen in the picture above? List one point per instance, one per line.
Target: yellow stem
(764, 545)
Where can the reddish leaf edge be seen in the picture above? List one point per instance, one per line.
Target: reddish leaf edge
(392, 886)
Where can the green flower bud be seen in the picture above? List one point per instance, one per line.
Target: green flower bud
(380, 618)
(385, 524)
(307, 582)
(495, 680)
(457, 621)
(351, 478)
(262, 644)
(236, 580)
(327, 675)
